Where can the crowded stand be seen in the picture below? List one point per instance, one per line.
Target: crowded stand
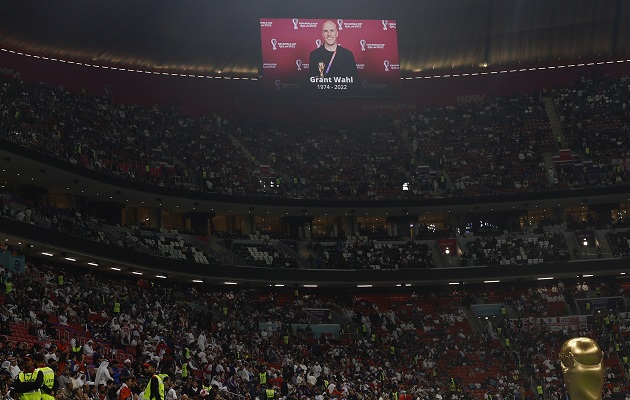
(595, 117)
(491, 147)
(163, 242)
(514, 250)
(318, 160)
(548, 241)
(619, 243)
(95, 331)
(176, 248)
(158, 242)
(262, 254)
(160, 147)
(361, 253)
(544, 301)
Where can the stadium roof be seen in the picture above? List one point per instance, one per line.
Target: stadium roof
(210, 36)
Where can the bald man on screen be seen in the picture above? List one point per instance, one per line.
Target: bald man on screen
(331, 63)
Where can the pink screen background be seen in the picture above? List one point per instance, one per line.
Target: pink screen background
(287, 43)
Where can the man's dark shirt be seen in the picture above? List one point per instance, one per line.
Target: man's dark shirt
(343, 64)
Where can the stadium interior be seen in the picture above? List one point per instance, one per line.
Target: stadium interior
(158, 204)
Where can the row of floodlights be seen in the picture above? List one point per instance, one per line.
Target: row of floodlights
(95, 264)
(255, 79)
(545, 278)
(160, 276)
(164, 276)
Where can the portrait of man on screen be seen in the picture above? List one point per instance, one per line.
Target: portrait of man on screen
(330, 62)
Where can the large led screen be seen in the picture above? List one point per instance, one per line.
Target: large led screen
(329, 57)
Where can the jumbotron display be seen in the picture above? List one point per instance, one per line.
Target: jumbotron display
(329, 57)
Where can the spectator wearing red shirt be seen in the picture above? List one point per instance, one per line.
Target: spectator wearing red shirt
(129, 383)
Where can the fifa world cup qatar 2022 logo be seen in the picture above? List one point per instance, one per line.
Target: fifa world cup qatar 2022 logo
(295, 23)
(298, 64)
(339, 24)
(362, 42)
(274, 44)
(384, 22)
(318, 43)
(386, 65)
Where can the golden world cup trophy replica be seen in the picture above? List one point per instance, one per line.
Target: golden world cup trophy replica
(583, 368)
